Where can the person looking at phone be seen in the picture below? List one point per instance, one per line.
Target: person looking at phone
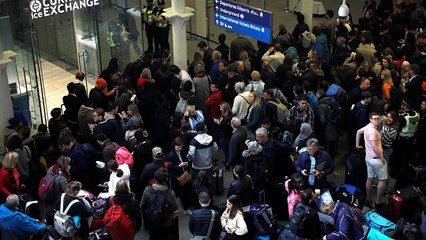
(314, 165)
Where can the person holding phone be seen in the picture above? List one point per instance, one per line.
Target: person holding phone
(314, 165)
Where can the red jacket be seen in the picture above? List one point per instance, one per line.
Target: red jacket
(9, 181)
(213, 104)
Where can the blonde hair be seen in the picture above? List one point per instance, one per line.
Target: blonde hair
(255, 75)
(190, 108)
(256, 98)
(327, 205)
(388, 75)
(8, 159)
(135, 111)
(244, 57)
(146, 73)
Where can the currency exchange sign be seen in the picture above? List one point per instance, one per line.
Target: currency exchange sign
(243, 19)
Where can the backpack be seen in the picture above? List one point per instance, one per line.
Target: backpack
(46, 188)
(313, 100)
(338, 94)
(181, 105)
(396, 97)
(282, 111)
(383, 225)
(123, 156)
(64, 223)
(118, 222)
(350, 195)
(262, 217)
(299, 220)
(157, 211)
(336, 114)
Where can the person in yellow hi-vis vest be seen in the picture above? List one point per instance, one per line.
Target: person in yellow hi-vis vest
(162, 28)
(149, 11)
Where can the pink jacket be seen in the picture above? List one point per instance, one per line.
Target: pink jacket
(292, 199)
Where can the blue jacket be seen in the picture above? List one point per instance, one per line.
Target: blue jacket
(303, 162)
(345, 224)
(18, 223)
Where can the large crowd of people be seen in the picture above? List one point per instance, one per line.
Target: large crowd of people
(277, 112)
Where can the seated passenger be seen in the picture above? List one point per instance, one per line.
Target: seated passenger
(14, 224)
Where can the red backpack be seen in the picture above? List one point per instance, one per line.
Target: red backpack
(122, 155)
(46, 188)
(118, 223)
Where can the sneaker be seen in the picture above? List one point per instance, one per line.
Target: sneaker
(187, 212)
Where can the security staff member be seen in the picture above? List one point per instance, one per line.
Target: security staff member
(408, 120)
(162, 28)
(149, 11)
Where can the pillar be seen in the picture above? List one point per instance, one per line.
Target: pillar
(307, 10)
(5, 101)
(201, 17)
(178, 15)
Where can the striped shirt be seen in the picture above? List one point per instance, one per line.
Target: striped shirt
(389, 135)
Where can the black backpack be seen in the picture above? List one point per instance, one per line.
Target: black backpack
(157, 211)
(299, 221)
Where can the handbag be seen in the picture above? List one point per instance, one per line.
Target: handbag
(184, 178)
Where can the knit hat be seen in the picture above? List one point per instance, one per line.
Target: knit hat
(101, 83)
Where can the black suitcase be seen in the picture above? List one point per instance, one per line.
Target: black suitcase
(217, 182)
(278, 199)
(356, 170)
(410, 194)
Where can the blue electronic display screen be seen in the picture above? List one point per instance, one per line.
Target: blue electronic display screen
(252, 22)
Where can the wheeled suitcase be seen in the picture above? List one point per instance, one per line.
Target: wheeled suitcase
(396, 208)
(279, 199)
(261, 222)
(217, 182)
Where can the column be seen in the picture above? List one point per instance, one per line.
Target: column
(307, 11)
(178, 15)
(201, 17)
(5, 101)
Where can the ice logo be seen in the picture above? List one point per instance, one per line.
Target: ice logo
(35, 6)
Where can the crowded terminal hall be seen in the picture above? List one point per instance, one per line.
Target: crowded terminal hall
(318, 134)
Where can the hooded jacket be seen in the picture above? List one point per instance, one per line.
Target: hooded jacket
(346, 227)
(201, 150)
(18, 223)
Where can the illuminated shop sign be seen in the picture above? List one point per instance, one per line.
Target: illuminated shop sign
(45, 8)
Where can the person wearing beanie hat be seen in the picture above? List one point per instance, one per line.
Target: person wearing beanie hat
(101, 83)
(201, 150)
(97, 94)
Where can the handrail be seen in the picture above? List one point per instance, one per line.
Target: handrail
(205, 38)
